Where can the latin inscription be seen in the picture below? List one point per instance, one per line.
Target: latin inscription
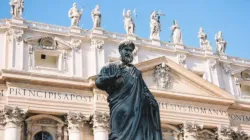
(49, 95)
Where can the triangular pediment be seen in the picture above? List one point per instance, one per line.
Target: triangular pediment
(179, 81)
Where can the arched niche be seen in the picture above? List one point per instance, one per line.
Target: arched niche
(44, 123)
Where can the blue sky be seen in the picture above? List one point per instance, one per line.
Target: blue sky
(232, 17)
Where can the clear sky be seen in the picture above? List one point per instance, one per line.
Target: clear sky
(232, 17)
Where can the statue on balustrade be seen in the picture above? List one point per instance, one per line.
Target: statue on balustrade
(134, 112)
(96, 16)
(176, 33)
(204, 43)
(129, 24)
(220, 43)
(17, 8)
(155, 25)
(75, 15)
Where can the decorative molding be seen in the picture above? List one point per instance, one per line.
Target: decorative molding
(245, 75)
(17, 35)
(192, 127)
(212, 63)
(226, 67)
(100, 120)
(162, 76)
(76, 44)
(182, 59)
(12, 116)
(206, 135)
(98, 44)
(48, 43)
(76, 121)
(240, 135)
(225, 133)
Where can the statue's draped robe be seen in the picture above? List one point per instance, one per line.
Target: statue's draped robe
(132, 117)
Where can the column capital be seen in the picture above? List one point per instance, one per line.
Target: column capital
(12, 116)
(101, 120)
(191, 130)
(76, 121)
(225, 132)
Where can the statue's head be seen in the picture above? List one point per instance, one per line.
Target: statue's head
(201, 29)
(175, 22)
(97, 7)
(129, 12)
(74, 5)
(126, 49)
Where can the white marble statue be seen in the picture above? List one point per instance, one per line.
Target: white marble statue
(176, 33)
(155, 25)
(17, 8)
(129, 24)
(75, 15)
(220, 43)
(96, 16)
(204, 43)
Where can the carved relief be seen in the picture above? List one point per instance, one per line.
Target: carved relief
(206, 135)
(47, 43)
(76, 44)
(17, 34)
(162, 76)
(12, 117)
(240, 135)
(226, 67)
(245, 75)
(45, 121)
(98, 44)
(225, 133)
(182, 59)
(101, 120)
(212, 63)
(76, 121)
(191, 130)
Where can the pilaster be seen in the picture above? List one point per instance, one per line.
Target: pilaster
(101, 125)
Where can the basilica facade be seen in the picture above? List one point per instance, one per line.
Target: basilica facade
(48, 72)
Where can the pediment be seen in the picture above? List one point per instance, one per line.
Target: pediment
(164, 76)
(48, 42)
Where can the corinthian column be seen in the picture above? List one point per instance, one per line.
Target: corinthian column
(225, 133)
(101, 126)
(191, 130)
(75, 125)
(12, 119)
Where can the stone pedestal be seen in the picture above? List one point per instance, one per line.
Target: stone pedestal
(101, 126)
(156, 42)
(179, 46)
(17, 20)
(97, 30)
(131, 37)
(75, 30)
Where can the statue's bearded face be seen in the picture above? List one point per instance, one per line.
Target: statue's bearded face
(127, 54)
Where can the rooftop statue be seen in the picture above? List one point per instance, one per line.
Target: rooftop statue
(129, 24)
(176, 33)
(220, 43)
(204, 43)
(96, 16)
(75, 15)
(134, 112)
(155, 25)
(17, 8)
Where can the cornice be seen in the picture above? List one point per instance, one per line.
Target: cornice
(45, 79)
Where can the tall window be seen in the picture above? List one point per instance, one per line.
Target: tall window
(43, 136)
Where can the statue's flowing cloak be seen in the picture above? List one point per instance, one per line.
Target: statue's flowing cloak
(132, 117)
